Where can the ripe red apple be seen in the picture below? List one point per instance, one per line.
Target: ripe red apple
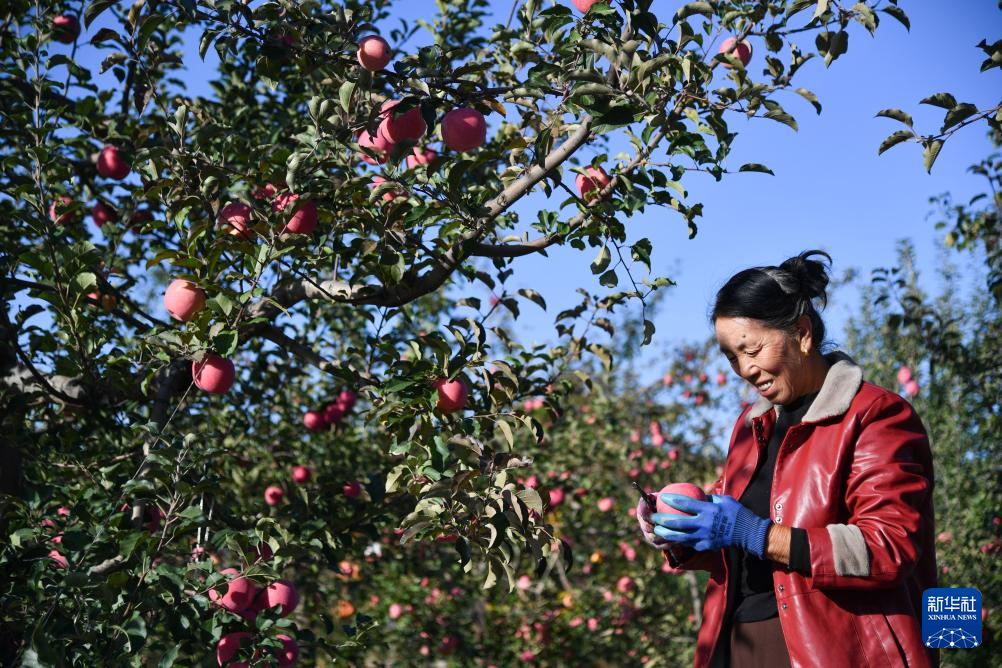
(314, 421)
(111, 165)
(378, 144)
(406, 126)
(235, 219)
(279, 593)
(304, 220)
(273, 495)
(556, 496)
(605, 504)
(904, 375)
(102, 213)
(213, 374)
(420, 156)
(374, 53)
(721, 378)
(333, 413)
(183, 299)
(911, 388)
(346, 400)
(352, 489)
(682, 488)
(58, 212)
(667, 380)
(301, 474)
(65, 28)
(584, 5)
(452, 395)
(742, 51)
(595, 179)
(464, 129)
(139, 218)
(238, 593)
(58, 557)
(289, 654)
(265, 192)
(229, 646)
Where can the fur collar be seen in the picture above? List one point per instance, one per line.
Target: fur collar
(841, 384)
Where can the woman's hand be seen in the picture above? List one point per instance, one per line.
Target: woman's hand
(647, 528)
(715, 524)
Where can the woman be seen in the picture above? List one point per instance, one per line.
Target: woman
(819, 535)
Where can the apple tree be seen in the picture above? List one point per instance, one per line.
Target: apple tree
(331, 234)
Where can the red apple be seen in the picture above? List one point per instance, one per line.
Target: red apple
(65, 28)
(314, 421)
(289, 653)
(420, 156)
(374, 53)
(452, 395)
(721, 379)
(742, 51)
(911, 388)
(682, 488)
(594, 180)
(238, 593)
(378, 144)
(301, 474)
(352, 489)
(279, 593)
(398, 127)
(904, 375)
(464, 129)
(304, 220)
(605, 504)
(111, 165)
(235, 219)
(667, 380)
(183, 299)
(102, 213)
(57, 557)
(585, 5)
(266, 192)
(556, 496)
(213, 374)
(346, 400)
(273, 495)
(58, 210)
(229, 646)
(333, 413)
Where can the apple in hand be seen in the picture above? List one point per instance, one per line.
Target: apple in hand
(374, 53)
(683, 489)
(213, 374)
(464, 129)
(452, 395)
(183, 300)
(111, 165)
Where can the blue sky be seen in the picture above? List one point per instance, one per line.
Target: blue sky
(830, 190)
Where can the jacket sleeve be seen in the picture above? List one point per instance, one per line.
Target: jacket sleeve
(888, 486)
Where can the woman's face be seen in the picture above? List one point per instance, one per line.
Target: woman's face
(772, 361)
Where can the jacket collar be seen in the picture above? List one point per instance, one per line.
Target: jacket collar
(841, 384)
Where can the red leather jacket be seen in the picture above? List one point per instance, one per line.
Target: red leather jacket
(857, 474)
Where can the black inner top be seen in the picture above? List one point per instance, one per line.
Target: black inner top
(756, 599)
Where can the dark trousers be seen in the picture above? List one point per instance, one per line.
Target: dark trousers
(759, 645)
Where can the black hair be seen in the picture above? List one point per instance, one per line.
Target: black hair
(778, 296)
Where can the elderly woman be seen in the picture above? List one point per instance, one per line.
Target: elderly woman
(819, 535)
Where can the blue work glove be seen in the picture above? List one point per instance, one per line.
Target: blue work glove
(715, 524)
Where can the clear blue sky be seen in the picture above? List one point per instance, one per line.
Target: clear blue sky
(830, 190)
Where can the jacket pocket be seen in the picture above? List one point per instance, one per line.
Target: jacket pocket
(821, 632)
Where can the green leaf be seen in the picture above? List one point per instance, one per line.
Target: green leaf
(931, 153)
(344, 94)
(820, 9)
(609, 279)
(943, 100)
(601, 261)
(958, 114)
(85, 280)
(531, 498)
(225, 343)
(755, 167)
(782, 117)
(899, 14)
(648, 332)
(810, 97)
(894, 140)
(95, 9)
(704, 8)
(506, 431)
(534, 297)
(897, 115)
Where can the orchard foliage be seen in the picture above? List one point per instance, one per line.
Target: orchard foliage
(332, 261)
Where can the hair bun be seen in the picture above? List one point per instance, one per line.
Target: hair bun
(810, 275)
